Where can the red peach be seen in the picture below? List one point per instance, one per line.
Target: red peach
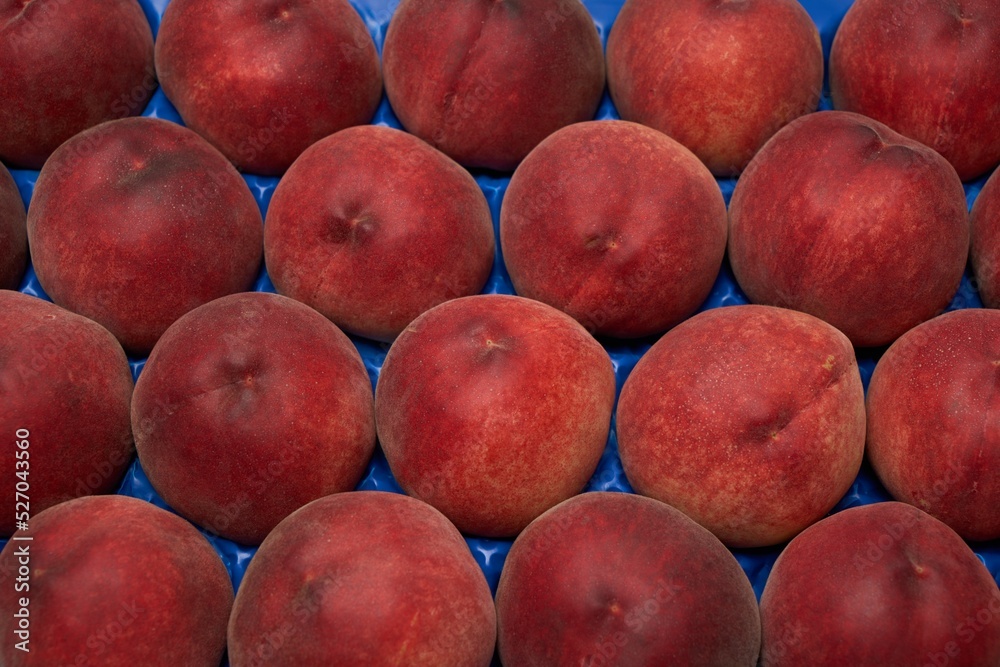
(615, 224)
(881, 584)
(250, 407)
(112, 581)
(68, 66)
(263, 80)
(933, 428)
(365, 578)
(749, 419)
(927, 69)
(135, 222)
(493, 409)
(13, 233)
(986, 242)
(618, 579)
(66, 387)
(840, 217)
(719, 77)
(336, 240)
(485, 81)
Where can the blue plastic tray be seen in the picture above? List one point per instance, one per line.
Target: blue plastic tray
(490, 554)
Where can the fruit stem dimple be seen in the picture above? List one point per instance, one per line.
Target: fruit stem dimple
(490, 344)
(281, 13)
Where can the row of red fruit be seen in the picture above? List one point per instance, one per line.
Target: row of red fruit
(880, 239)
(601, 579)
(485, 82)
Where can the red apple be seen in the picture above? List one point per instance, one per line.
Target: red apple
(136, 222)
(749, 419)
(882, 584)
(250, 407)
(927, 69)
(112, 581)
(66, 387)
(933, 427)
(371, 262)
(493, 409)
(615, 224)
(13, 233)
(719, 77)
(841, 217)
(486, 80)
(365, 578)
(263, 80)
(68, 66)
(618, 579)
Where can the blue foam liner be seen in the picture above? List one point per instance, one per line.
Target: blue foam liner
(490, 554)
